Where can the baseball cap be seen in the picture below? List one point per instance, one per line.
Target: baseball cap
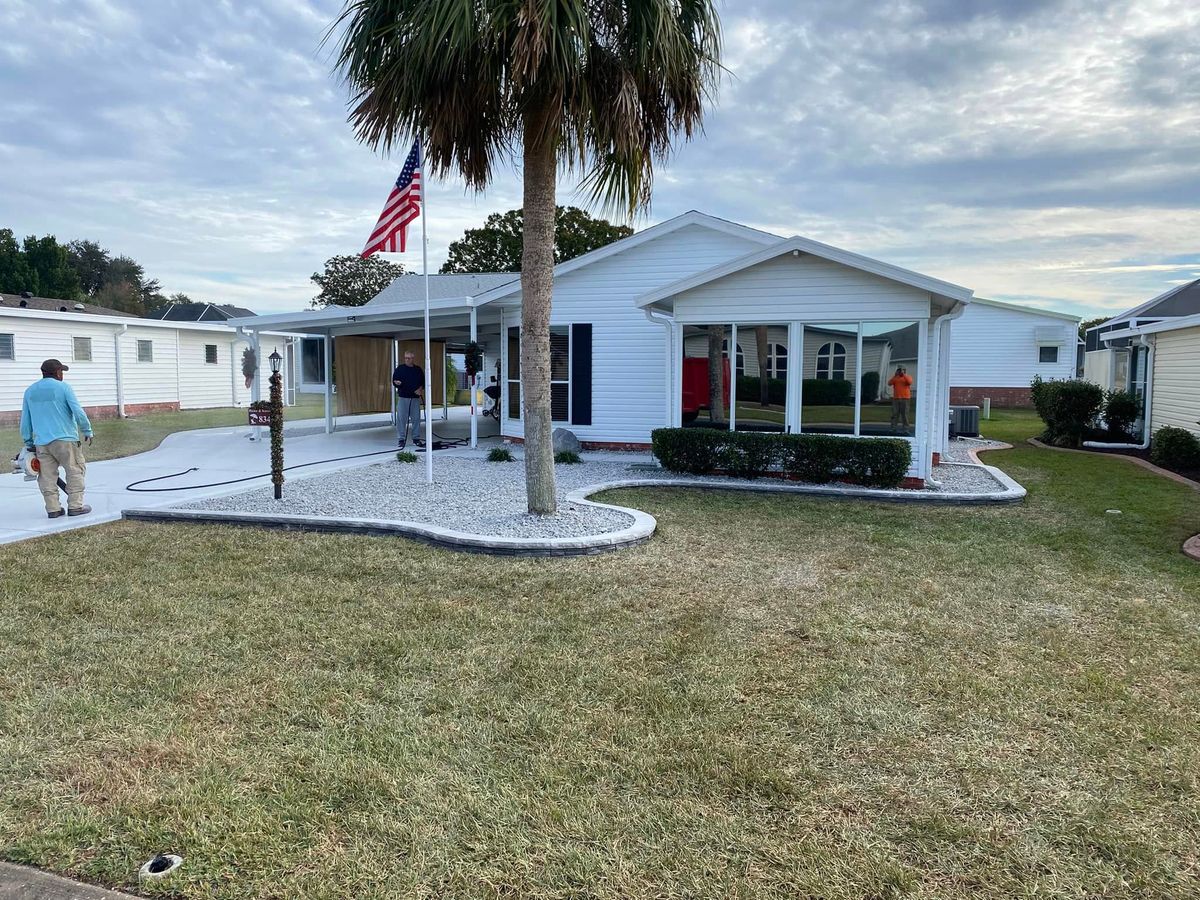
(50, 366)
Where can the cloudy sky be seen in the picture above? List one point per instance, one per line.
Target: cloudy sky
(1038, 152)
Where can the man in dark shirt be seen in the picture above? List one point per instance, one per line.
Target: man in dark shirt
(409, 380)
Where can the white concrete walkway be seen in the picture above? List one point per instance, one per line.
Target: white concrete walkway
(219, 454)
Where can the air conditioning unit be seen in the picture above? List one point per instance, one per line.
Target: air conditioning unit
(964, 421)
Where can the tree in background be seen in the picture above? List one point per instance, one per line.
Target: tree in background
(353, 280)
(15, 274)
(123, 296)
(496, 247)
(603, 85)
(91, 263)
(1090, 323)
(53, 274)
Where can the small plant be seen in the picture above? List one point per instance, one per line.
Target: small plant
(1175, 448)
(500, 454)
(1069, 409)
(405, 456)
(567, 457)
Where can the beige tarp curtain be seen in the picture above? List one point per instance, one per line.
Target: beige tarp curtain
(364, 372)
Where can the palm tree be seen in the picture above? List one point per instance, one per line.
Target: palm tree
(602, 87)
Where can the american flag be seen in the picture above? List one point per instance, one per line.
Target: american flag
(403, 205)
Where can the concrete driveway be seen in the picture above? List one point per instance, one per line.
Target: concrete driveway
(218, 454)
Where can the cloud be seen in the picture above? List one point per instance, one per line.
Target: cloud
(1043, 151)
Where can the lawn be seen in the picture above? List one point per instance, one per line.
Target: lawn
(124, 437)
(774, 697)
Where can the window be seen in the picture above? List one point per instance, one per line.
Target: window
(560, 374)
(6, 347)
(81, 349)
(777, 361)
(145, 351)
(831, 362)
(210, 354)
(312, 361)
(740, 365)
(1047, 354)
(514, 373)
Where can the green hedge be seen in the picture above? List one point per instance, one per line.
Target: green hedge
(1069, 409)
(747, 390)
(870, 387)
(817, 391)
(1175, 448)
(816, 458)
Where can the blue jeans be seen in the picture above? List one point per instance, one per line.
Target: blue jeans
(408, 416)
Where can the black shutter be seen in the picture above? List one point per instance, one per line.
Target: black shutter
(581, 374)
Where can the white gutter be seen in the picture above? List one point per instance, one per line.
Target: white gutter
(1146, 406)
(939, 418)
(667, 322)
(121, 329)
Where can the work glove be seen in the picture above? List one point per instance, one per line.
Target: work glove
(87, 439)
(31, 448)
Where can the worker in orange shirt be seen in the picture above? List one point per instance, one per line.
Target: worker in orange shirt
(901, 385)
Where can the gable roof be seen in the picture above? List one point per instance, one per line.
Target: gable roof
(1181, 300)
(691, 217)
(410, 286)
(799, 245)
(1037, 311)
(50, 304)
(200, 312)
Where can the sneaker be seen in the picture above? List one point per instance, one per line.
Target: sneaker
(55, 515)
(400, 445)
(81, 511)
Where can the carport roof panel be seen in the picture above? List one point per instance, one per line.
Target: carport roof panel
(319, 321)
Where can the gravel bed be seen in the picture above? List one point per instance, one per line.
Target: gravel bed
(480, 497)
(957, 450)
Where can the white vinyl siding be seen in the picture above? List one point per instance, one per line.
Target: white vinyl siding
(629, 352)
(1176, 388)
(81, 349)
(993, 346)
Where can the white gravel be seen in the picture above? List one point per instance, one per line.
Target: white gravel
(472, 495)
(958, 449)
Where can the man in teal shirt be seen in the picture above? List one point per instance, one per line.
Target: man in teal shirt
(51, 422)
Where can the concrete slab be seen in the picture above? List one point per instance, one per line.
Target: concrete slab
(24, 883)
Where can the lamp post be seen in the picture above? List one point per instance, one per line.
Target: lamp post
(276, 423)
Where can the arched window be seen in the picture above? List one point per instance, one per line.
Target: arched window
(831, 361)
(740, 365)
(777, 360)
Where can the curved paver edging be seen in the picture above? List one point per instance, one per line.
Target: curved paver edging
(639, 531)
(1136, 460)
(1191, 547)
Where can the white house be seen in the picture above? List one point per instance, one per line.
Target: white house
(997, 349)
(624, 322)
(123, 365)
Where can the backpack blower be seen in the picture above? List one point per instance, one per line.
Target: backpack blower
(26, 463)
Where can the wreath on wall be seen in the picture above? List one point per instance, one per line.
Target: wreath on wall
(473, 359)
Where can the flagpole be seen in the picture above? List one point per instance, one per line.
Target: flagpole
(425, 269)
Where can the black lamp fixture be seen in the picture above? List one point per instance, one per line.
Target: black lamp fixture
(275, 359)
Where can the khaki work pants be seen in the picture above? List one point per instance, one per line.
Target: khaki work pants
(69, 456)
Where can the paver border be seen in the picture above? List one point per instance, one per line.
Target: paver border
(639, 531)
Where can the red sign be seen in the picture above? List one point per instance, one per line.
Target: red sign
(260, 417)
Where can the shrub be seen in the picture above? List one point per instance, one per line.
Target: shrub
(567, 457)
(816, 458)
(500, 454)
(1121, 409)
(870, 387)
(747, 390)
(1069, 408)
(405, 457)
(1175, 448)
(827, 392)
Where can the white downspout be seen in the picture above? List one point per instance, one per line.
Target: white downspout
(1147, 408)
(667, 322)
(119, 364)
(937, 419)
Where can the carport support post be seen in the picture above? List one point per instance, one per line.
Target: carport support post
(733, 376)
(471, 387)
(328, 348)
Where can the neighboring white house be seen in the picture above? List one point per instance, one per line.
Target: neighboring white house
(624, 319)
(123, 365)
(998, 348)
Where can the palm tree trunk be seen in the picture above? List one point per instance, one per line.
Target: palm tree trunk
(716, 373)
(760, 338)
(537, 287)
